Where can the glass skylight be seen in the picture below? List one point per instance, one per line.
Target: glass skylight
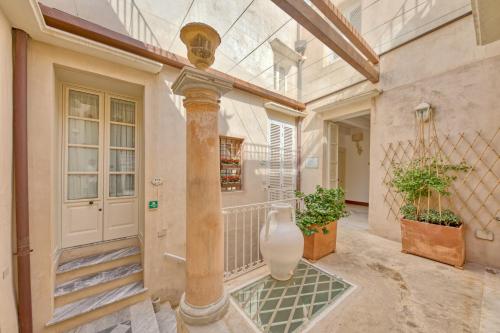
(261, 43)
(287, 306)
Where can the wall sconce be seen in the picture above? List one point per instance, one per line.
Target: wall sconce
(423, 112)
(357, 138)
(201, 40)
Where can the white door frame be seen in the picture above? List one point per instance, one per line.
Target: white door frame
(326, 146)
(333, 155)
(103, 198)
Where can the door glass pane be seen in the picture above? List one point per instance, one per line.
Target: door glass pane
(83, 132)
(121, 185)
(122, 160)
(122, 136)
(82, 159)
(83, 104)
(122, 111)
(82, 187)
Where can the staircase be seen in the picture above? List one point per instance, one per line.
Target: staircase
(96, 281)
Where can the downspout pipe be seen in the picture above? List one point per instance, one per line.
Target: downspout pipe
(20, 110)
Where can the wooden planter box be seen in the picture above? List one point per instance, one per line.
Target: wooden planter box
(437, 242)
(319, 245)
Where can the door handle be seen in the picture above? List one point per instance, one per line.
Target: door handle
(100, 209)
(91, 203)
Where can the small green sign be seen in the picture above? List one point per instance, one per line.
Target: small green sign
(153, 204)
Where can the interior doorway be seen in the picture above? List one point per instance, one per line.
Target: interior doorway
(100, 166)
(349, 157)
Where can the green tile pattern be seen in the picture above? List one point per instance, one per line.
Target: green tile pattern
(285, 306)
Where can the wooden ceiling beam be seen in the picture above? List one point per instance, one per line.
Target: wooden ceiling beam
(340, 21)
(318, 27)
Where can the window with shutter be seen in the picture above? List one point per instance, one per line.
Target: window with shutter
(281, 161)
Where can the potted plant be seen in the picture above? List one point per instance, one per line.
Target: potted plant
(318, 220)
(429, 231)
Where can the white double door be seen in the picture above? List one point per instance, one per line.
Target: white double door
(100, 199)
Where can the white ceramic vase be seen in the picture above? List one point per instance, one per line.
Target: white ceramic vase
(281, 241)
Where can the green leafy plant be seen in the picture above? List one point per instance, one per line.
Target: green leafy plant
(419, 178)
(320, 208)
(409, 212)
(445, 217)
(422, 178)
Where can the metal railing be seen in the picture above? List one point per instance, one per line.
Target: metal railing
(134, 21)
(242, 226)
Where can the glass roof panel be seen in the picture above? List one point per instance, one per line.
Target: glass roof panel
(261, 43)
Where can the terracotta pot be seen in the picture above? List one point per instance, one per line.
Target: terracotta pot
(437, 242)
(319, 245)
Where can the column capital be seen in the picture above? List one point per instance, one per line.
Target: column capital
(193, 78)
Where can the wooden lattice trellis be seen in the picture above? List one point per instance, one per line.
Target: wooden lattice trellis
(475, 195)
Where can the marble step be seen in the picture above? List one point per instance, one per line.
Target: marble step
(95, 302)
(136, 318)
(92, 280)
(97, 259)
(96, 248)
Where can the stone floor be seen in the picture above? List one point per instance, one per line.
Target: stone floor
(396, 292)
(137, 318)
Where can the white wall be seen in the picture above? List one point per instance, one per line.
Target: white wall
(463, 89)
(357, 167)
(386, 24)
(8, 315)
(242, 115)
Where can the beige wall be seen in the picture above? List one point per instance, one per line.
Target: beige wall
(163, 149)
(8, 315)
(357, 173)
(244, 116)
(164, 122)
(314, 135)
(463, 89)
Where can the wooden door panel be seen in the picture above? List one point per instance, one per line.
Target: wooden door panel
(81, 224)
(121, 218)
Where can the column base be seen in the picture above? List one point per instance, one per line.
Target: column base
(203, 315)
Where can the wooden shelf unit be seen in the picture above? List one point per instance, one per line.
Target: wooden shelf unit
(231, 163)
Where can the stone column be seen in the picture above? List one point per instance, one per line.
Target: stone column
(204, 300)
